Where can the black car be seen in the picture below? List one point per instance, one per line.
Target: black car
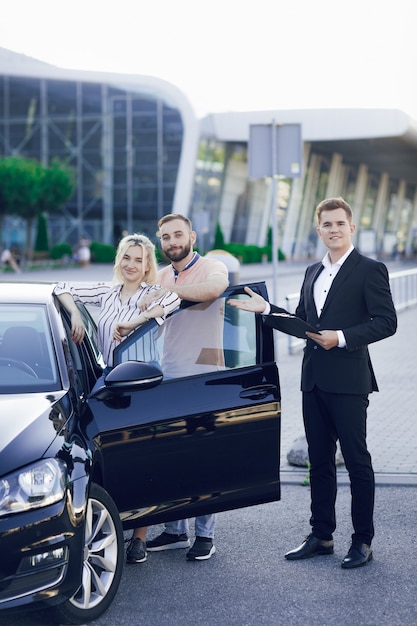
(186, 434)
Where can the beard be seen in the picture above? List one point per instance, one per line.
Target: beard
(179, 253)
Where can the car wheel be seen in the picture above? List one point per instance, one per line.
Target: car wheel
(103, 561)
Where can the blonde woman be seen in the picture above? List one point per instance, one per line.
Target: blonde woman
(135, 275)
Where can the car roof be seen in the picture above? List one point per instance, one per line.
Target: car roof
(33, 293)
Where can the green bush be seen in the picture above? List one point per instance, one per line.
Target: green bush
(102, 252)
(160, 257)
(60, 251)
(268, 251)
(250, 253)
(218, 238)
(42, 240)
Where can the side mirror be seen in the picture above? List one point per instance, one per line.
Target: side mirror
(128, 377)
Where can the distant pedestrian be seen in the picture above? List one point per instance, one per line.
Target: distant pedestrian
(84, 253)
(7, 259)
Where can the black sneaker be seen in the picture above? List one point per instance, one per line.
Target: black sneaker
(166, 541)
(202, 549)
(136, 551)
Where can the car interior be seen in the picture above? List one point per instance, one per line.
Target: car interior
(26, 354)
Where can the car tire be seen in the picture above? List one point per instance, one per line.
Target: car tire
(99, 584)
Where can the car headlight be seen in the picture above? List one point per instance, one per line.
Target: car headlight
(32, 487)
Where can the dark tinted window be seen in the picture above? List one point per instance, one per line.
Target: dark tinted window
(27, 354)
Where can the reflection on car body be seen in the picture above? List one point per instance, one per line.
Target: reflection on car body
(67, 455)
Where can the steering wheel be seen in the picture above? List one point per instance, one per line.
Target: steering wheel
(21, 365)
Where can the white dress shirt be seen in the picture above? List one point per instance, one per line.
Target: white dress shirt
(324, 282)
(322, 287)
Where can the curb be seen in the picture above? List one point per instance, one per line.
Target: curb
(295, 477)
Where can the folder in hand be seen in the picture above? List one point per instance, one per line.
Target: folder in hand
(289, 324)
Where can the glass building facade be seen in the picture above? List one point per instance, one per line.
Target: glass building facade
(383, 201)
(123, 144)
(139, 152)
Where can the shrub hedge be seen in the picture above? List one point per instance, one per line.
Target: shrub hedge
(60, 251)
(251, 253)
(102, 252)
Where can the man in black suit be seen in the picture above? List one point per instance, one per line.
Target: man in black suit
(347, 298)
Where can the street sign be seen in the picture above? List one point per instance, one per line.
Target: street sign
(275, 149)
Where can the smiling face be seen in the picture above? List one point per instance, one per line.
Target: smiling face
(335, 230)
(177, 242)
(134, 265)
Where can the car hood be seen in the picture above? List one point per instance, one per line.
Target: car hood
(28, 426)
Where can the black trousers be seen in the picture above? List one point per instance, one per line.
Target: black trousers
(327, 418)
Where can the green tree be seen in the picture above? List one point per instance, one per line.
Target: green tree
(42, 239)
(3, 206)
(28, 189)
(57, 184)
(218, 243)
(19, 182)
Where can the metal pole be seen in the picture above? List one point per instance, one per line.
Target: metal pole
(274, 210)
(274, 224)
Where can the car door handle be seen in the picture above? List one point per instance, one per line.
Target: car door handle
(258, 392)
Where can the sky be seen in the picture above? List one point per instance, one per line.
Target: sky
(234, 55)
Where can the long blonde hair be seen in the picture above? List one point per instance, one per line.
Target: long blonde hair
(148, 249)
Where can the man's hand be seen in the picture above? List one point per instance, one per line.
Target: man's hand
(152, 297)
(327, 339)
(256, 303)
(122, 329)
(77, 327)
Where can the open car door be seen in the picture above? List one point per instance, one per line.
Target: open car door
(205, 436)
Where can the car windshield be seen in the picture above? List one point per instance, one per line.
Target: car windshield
(27, 355)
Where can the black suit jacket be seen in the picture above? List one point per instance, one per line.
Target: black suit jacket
(360, 304)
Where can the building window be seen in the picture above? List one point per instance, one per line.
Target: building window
(124, 146)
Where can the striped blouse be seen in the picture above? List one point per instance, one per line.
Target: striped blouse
(113, 310)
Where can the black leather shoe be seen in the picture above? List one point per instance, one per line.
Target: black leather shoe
(311, 546)
(359, 554)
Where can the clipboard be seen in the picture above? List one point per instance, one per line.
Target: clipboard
(289, 324)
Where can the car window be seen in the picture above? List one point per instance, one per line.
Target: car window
(196, 339)
(91, 332)
(27, 356)
(84, 361)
